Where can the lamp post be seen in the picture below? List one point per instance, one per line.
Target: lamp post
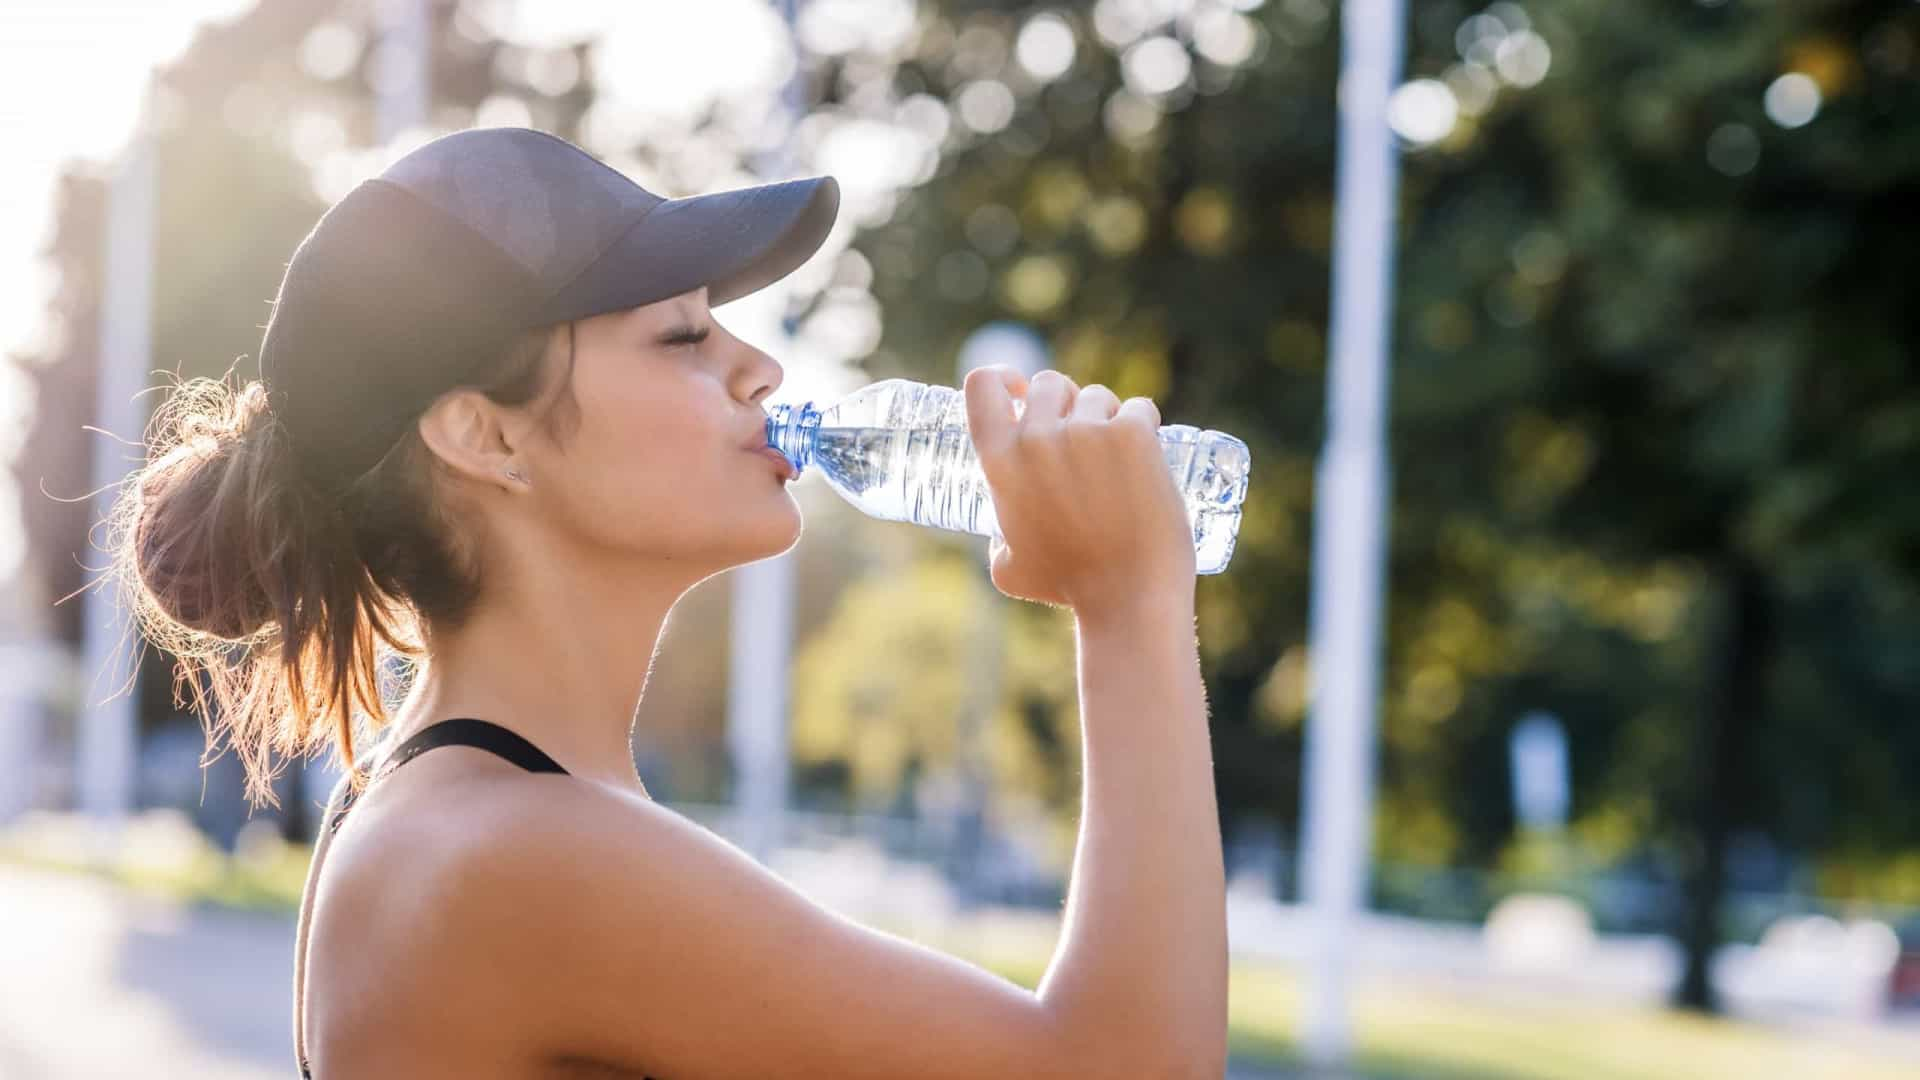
(108, 735)
(1349, 522)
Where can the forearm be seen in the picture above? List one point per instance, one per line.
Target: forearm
(1143, 954)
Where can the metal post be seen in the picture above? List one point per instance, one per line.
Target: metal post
(762, 645)
(108, 733)
(1349, 522)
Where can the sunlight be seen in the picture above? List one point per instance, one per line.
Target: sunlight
(92, 57)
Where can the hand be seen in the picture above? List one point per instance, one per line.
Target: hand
(1087, 506)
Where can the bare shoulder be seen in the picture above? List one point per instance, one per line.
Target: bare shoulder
(597, 926)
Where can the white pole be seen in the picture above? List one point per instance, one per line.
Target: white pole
(1349, 522)
(762, 645)
(403, 82)
(109, 716)
(1019, 346)
(757, 701)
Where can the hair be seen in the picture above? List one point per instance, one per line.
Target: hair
(281, 604)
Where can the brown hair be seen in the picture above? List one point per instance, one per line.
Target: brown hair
(282, 604)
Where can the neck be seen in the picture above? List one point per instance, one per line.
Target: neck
(561, 657)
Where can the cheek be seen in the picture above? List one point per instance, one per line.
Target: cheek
(641, 467)
(652, 469)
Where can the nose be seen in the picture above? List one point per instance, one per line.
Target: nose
(756, 376)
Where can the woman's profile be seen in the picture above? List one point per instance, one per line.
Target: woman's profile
(500, 431)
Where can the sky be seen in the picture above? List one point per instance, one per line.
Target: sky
(93, 57)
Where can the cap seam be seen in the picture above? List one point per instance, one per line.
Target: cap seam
(605, 249)
(448, 216)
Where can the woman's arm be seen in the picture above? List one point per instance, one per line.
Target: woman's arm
(602, 927)
(1144, 947)
(592, 927)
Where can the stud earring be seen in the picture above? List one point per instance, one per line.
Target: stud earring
(516, 476)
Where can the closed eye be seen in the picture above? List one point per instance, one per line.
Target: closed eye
(684, 335)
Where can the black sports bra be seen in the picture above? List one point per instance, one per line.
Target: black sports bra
(461, 731)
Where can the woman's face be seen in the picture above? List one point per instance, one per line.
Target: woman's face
(665, 458)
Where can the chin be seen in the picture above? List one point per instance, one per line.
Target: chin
(764, 537)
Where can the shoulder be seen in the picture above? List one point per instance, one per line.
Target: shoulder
(576, 916)
(498, 861)
(443, 828)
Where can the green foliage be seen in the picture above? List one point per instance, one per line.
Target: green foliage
(1649, 342)
(926, 670)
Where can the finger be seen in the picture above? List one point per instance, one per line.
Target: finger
(1095, 402)
(1139, 410)
(990, 415)
(1049, 396)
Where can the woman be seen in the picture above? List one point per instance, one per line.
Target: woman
(499, 430)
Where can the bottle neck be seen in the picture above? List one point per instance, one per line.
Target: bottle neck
(794, 430)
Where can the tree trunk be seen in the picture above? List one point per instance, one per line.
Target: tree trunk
(1735, 701)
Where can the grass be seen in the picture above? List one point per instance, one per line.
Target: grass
(1406, 1030)
(164, 857)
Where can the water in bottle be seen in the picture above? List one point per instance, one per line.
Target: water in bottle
(900, 451)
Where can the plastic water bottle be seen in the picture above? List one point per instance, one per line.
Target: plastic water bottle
(900, 451)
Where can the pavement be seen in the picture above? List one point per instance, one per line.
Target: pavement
(96, 982)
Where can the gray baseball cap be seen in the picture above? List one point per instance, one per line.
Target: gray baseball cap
(415, 279)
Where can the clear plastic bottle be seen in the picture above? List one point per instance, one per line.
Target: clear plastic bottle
(900, 451)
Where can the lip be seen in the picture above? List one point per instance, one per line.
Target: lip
(786, 467)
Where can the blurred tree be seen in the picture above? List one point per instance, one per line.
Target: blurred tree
(253, 123)
(1654, 405)
(261, 123)
(890, 687)
(1663, 290)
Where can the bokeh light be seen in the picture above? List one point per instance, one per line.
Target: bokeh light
(985, 106)
(1423, 111)
(1474, 87)
(1129, 117)
(1523, 58)
(1157, 66)
(1227, 38)
(1045, 47)
(1793, 100)
(330, 50)
(1733, 149)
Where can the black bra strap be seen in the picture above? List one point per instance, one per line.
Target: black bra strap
(466, 731)
(460, 731)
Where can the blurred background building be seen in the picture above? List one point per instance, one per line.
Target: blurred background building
(1650, 663)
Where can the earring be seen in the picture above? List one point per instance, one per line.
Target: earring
(516, 476)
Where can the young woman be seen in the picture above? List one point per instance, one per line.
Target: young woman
(499, 430)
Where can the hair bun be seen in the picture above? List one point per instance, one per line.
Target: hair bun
(211, 510)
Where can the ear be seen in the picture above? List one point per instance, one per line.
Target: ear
(472, 436)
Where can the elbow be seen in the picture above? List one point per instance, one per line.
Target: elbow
(1149, 1044)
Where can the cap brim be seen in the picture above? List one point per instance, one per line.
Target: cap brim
(733, 242)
